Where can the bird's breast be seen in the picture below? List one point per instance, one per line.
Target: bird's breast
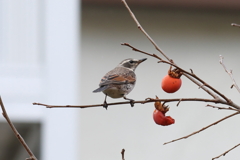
(118, 91)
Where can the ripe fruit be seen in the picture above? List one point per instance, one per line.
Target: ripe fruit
(170, 84)
(160, 118)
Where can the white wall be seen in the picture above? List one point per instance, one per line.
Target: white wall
(194, 39)
(39, 62)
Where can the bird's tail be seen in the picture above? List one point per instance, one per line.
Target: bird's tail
(100, 89)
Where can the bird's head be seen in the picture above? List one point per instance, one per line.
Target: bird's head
(131, 63)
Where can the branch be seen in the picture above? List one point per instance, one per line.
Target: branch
(147, 100)
(185, 137)
(122, 152)
(19, 137)
(235, 25)
(229, 72)
(145, 33)
(137, 50)
(223, 154)
(229, 108)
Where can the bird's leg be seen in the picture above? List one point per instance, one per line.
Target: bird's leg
(131, 101)
(105, 105)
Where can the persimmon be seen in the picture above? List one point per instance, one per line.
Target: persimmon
(172, 82)
(160, 118)
(159, 114)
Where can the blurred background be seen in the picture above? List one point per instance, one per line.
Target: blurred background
(56, 52)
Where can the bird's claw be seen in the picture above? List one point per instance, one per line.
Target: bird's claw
(105, 105)
(132, 103)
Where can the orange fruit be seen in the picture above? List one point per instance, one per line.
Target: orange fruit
(170, 84)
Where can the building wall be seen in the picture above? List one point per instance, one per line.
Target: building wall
(39, 44)
(194, 40)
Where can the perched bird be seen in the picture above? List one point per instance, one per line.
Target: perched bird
(120, 81)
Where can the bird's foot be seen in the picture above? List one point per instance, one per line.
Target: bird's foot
(105, 105)
(131, 101)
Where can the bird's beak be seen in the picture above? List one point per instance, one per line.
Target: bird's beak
(141, 60)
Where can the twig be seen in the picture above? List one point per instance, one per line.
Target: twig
(179, 102)
(185, 137)
(235, 25)
(223, 154)
(229, 72)
(19, 137)
(122, 152)
(137, 50)
(145, 33)
(229, 108)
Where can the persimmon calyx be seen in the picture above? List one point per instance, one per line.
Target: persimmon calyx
(174, 73)
(160, 107)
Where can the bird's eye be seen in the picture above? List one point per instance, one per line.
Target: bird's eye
(131, 61)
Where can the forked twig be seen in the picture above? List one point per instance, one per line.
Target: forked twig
(146, 34)
(229, 108)
(223, 154)
(19, 137)
(185, 137)
(229, 72)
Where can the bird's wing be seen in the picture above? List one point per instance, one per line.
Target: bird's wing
(117, 79)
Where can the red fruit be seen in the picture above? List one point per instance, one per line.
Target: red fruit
(161, 119)
(170, 84)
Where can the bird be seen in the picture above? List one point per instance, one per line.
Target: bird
(120, 81)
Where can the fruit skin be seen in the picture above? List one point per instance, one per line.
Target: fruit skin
(160, 118)
(170, 84)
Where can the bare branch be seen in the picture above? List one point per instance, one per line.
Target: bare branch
(19, 137)
(229, 72)
(147, 100)
(235, 25)
(179, 102)
(223, 154)
(229, 108)
(122, 152)
(137, 50)
(145, 33)
(185, 137)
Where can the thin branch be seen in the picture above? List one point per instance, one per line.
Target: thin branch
(145, 33)
(137, 50)
(122, 152)
(223, 154)
(222, 108)
(19, 137)
(185, 137)
(229, 72)
(235, 25)
(148, 100)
